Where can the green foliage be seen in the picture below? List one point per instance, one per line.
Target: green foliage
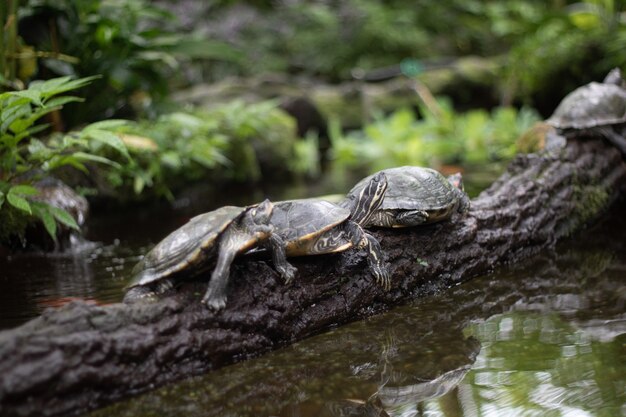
(136, 46)
(535, 41)
(585, 40)
(25, 159)
(474, 137)
(234, 142)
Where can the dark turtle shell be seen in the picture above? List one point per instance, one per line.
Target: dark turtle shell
(186, 247)
(592, 105)
(298, 222)
(414, 188)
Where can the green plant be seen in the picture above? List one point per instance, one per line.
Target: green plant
(569, 47)
(401, 138)
(24, 159)
(137, 46)
(230, 142)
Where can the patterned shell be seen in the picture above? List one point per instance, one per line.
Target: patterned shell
(185, 247)
(594, 104)
(414, 188)
(305, 219)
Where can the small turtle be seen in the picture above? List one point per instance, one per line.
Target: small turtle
(315, 226)
(222, 233)
(415, 196)
(595, 107)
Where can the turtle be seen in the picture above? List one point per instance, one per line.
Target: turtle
(315, 226)
(223, 234)
(595, 108)
(415, 196)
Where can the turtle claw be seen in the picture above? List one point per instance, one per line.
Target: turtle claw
(383, 278)
(214, 303)
(288, 273)
(214, 299)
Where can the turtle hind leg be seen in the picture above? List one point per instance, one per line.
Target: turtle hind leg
(364, 240)
(149, 292)
(411, 218)
(139, 294)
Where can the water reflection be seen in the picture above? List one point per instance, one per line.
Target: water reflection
(547, 338)
(375, 366)
(544, 365)
(32, 282)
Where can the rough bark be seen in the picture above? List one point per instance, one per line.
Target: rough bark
(82, 356)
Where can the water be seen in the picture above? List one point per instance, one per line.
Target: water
(543, 338)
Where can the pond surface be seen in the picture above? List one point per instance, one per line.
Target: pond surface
(545, 338)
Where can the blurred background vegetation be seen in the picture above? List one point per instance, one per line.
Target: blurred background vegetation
(164, 95)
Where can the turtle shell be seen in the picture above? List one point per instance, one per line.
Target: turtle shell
(592, 105)
(414, 188)
(299, 222)
(186, 247)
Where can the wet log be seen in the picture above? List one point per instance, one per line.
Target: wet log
(82, 356)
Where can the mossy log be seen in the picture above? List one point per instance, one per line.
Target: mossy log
(82, 356)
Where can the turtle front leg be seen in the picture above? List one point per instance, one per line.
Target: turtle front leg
(215, 296)
(616, 140)
(364, 240)
(276, 245)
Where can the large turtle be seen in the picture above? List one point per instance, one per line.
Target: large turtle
(222, 233)
(315, 226)
(595, 108)
(415, 196)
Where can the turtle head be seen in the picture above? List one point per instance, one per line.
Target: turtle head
(614, 77)
(262, 213)
(457, 181)
(463, 200)
(369, 199)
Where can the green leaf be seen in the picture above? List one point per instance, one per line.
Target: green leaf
(58, 161)
(95, 158)
(171, 159)
(42, 211)
(18, 202)
(33, 96)
(1, 199)
(59, 85)
(60, 101)
(9, 116)
(109, 139)
(21, 125)
(64, 217)
(107, 124)
(24, 190)
(30, 131)
(138, 184)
